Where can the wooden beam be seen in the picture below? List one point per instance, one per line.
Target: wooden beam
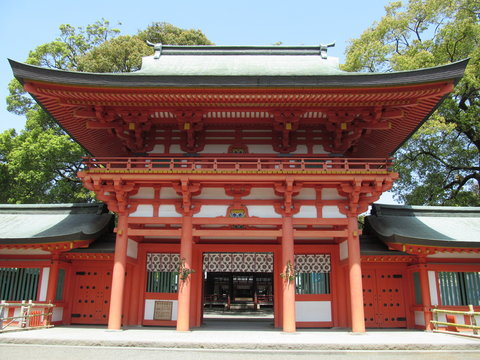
(237, 221)
(155, 220)
(237, 233)
(155, 232)
(320, 221)
(299, 234)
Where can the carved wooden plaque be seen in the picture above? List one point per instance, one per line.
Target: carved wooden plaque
(163, 310)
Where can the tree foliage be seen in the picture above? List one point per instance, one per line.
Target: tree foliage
(39, 164)
(440, 163)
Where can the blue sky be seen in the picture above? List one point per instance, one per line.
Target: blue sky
(25, 24)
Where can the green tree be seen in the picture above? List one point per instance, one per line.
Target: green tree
(165, 33)
(39, 164)
(440, 163)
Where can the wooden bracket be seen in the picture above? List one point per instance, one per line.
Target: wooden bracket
(190, 124)
(288, 189)
(286, 122)
(186, 189)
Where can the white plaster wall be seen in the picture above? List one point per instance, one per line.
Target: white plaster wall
(329, 212)
(301, 149)
(213, 193)
(419, 319)
(143, 210)
(261, 194)
(313, 310)
(144, 193)
(132, 249)
(215, 148)
(150, 307)
(306, 211)
(168, 211)
(432, 283)
(175, 149)
(306, 194)
(331, 194)
(210, 211)
(262, 211)
(318, 149)
(343, 250)
(158, 148)
(57, 314)
(168, 193)
(261, 149)
(42, 296)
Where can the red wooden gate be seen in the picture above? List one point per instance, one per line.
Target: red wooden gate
(383, 298)
(91, 298)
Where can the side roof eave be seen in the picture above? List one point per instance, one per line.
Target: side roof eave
(445, 227)
(24, 72)
(52, 223)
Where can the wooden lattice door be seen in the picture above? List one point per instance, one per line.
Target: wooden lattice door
(383, 298)
(91, 299)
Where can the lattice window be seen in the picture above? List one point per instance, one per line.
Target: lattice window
(312, 263)
(18, 284)
(163, 262)
(162, 272)
(312, 274)
(459, 288)
(238, 262)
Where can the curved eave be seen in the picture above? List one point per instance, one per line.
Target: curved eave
(49, 224)
(433, 243)
(24, 72)
(60, 238)
(439, 227)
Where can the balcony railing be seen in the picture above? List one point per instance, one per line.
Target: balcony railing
(249, 165)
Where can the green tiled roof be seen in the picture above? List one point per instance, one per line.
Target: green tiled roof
(425, 225)
(239, 61)
(30, 224)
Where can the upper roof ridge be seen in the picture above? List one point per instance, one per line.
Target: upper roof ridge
(319, 50)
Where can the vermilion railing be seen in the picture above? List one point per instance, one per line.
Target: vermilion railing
(236, 165)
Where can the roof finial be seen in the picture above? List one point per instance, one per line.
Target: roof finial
(324, 48)
(157, 47)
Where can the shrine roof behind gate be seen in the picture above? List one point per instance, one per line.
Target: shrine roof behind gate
(450, 227)
(51, 223)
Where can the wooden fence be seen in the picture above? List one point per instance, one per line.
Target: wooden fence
(29, 316)
(451, 326)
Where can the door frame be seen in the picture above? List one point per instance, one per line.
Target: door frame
(198, 286)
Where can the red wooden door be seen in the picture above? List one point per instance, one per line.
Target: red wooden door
(383, 298)
(91, 298)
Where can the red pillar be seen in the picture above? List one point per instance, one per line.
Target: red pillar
(53, 278)
(135, 297)
(355, 276)
(288, 255)
(184, 287)
(425, 289)
(118, 276)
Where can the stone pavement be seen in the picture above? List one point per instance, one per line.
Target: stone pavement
(247, 335)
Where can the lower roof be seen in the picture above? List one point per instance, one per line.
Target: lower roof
(425, 225)
(50, 223)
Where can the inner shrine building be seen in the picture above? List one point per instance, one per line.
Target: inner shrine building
(237, 174)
